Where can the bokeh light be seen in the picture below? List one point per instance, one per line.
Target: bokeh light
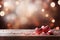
(19, 11)
(9, 6)
(0, 6)
(10, 17)
(53, 20)
(43, 10)
(58, 28)
(58, 2)
(31, 9)
(52, 4)
(46, 15)
(6, 4)
(2, 13)
(17, 2)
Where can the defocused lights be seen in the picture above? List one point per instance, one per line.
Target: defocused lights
(46, 15)
(57, 28)
(0, 6)
(2, 13)
(59, 2)
(52, 4)
(9, 6)
(43, 10)
(17, 2)
(10, 17)
(31, 9)
(6, 4)
(53, 20)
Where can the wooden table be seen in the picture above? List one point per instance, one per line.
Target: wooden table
(25, 34)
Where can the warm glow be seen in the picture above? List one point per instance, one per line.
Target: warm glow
(10, 17)
(0, 6)
(9, 6)
(31, 9)
(23, 10)
(26, 9)
(52, 4)
(17, 2)
(43, 10)
(6, 4)
(53, 20)
(59, 2)
(2, 13)
(57, 28)
(46, 15)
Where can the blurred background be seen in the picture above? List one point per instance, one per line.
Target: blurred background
(29, 14)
